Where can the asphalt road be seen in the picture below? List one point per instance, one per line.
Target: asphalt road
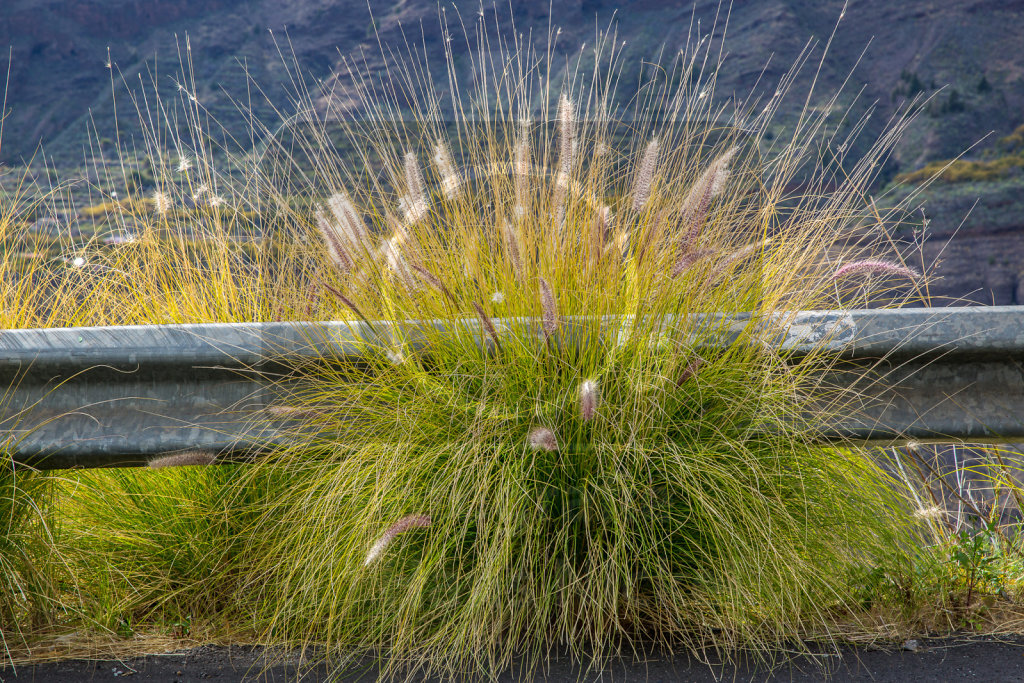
(941, 660)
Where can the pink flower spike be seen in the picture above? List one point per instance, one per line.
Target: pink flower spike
(406, 523)
(549, 318)
(875, 266)
(589, 399)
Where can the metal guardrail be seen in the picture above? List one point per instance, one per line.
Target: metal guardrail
(119, 396)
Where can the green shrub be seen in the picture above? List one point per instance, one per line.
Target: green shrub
(963, 171)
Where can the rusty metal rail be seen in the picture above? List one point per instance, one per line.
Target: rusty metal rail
(119, 396)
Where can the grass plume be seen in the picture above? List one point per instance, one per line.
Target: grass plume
(873, 267)
(407, 523)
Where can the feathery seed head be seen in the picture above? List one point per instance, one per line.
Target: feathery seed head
(407, 523)
(451, 181)
(498, 298)
(393, 256)
(345, 300)
(688, 258)
(645, 176)
(414, 210)
(601, 231)
(933, 512)
(161, 203)
(521, 161)
(737, 256)
(521, 168)
(543, 439)
(348, 224)
(549, 318)
(698, 199)
(590, 397)
(291, 412)
(487, 324)
(414, 204)
(691, 370)
(510, 236)
(433, 281)
(335, 250)
(567, 132)
(871, 267)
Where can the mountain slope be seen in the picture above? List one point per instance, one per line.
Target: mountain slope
(59, 49)
(964, 59)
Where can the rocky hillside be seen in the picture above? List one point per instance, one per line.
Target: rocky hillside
(72, 59)
(60, 51)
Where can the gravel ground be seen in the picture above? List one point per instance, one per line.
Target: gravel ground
(950, 659)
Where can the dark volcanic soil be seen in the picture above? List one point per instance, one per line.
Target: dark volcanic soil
(949, 659)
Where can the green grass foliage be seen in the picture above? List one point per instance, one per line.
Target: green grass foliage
(557, 439)
(568, 455)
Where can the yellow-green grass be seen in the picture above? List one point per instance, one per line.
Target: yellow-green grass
(641, 486)
(461, 503)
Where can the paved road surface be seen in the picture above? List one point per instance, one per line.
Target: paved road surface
(957, 659)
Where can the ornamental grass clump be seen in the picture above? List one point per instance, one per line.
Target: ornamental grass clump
(559, 436)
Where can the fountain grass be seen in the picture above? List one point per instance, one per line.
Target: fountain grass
(567, 456)
(574, 458)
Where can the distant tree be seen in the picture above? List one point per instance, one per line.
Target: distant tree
(984, 85)
(914, 85)
(910, 84)
(955, 103)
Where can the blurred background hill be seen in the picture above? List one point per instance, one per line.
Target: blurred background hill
(72, 59)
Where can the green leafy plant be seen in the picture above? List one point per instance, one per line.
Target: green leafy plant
(976, 556)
